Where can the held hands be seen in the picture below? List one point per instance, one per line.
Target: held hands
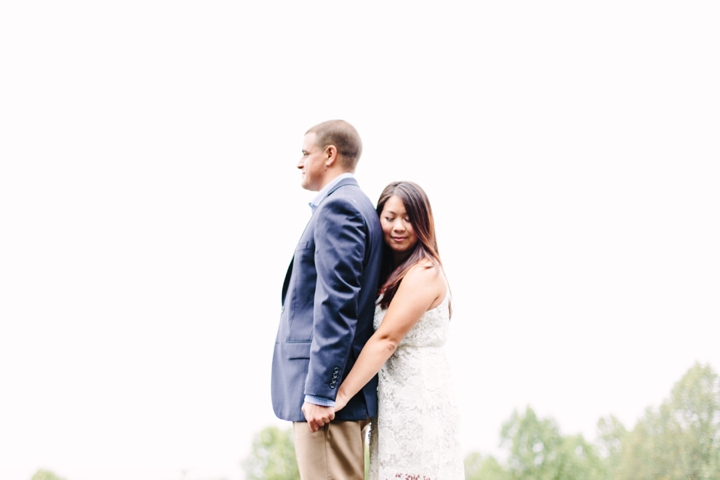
(317, 416)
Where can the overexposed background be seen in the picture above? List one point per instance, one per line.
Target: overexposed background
(149, 206)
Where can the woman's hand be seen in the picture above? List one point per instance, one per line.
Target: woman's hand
(341, 400)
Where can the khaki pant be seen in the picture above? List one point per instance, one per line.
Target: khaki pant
(334, 452)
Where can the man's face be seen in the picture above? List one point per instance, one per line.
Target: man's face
(312, 164)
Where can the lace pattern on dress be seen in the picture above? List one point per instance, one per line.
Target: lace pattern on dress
(416, 435)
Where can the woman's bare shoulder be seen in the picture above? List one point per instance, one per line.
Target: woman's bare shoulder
(426, 271)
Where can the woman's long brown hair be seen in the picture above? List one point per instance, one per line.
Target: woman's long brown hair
(420, 214)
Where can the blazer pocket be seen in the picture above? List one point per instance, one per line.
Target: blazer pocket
(297, 350)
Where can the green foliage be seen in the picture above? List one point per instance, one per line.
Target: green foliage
(45, 475)
(272, 456)
(478, 467)
(533, 445)
(539, 452)
(680, 439)
(611, 436)
(580, 459)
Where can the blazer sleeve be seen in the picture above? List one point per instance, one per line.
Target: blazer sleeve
(340, 243)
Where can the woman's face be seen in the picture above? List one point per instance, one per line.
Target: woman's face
(397, 229)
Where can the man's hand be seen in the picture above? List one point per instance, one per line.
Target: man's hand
(317, 416)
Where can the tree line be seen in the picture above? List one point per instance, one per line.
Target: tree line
(680, 439)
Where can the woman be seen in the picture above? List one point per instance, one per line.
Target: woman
(416, 432)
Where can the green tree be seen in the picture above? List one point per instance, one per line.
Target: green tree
(45, 475)
(611, 436)
(579, 459)
(539, 452)
(680, 439)
(479, 467)
(272, 456)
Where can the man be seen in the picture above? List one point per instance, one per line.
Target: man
(328, 303)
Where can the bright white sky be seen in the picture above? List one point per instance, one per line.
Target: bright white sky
(149, 206)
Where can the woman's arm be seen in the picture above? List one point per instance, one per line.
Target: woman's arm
(422, 288)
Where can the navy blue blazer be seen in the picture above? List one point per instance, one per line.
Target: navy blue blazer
(328, 304)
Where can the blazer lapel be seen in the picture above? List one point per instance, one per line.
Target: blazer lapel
(288, 274)
(286, 283)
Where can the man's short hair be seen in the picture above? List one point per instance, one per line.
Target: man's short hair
(345, 138)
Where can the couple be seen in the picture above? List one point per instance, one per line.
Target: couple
(365, 312)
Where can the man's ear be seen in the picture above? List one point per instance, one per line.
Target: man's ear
(331, 154)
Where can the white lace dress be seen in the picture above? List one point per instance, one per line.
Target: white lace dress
(415, 436)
